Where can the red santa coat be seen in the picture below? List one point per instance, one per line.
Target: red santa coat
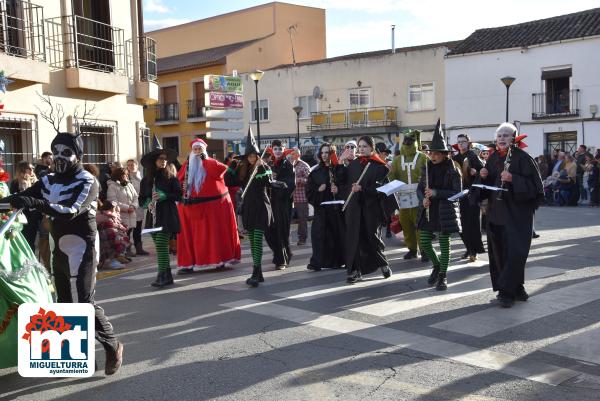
(209, 234)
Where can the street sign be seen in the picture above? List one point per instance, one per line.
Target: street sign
(225, 114)
(226, 135)
(224, 100)
(224, 125)
(223, 83)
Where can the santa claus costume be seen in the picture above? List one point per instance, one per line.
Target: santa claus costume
(209, 236)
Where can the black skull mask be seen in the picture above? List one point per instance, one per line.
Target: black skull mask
(68, 151)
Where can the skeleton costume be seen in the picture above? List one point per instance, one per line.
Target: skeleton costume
(69, 197)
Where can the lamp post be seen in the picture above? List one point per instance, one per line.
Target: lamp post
(298, 110)
(507, 81)
(256, 76)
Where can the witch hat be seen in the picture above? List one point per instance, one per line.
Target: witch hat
(149, 159)
(251, 145)
(438, 143)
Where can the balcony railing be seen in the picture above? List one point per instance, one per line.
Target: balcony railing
(195, 108)
(166, 112)
(545, 105)
(78, 42)
(148, 70)
(22, 30)
(354, 118)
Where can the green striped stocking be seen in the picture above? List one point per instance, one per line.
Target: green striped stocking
(161, 244)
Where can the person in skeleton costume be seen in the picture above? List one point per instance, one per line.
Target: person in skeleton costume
(69, 197)
(206, 214)
(407, 168)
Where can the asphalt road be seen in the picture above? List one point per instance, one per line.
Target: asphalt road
(308, 336)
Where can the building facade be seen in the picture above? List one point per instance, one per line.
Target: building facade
(75, 55)
(255, 38)
(555, 95)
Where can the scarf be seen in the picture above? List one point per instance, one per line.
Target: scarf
(373, 158)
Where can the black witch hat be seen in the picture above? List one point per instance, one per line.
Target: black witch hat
(438, 143)
(149, 159)
(251, 145)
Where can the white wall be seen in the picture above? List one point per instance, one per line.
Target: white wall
(476, 96)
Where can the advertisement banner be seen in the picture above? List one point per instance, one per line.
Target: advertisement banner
(223, 83)
(224, 100)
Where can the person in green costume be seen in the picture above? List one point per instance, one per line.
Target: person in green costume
(22, 278)
(406, 167)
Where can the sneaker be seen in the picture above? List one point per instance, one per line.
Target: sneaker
(113, 265)
(280, 267)
(356, 277)
(114, 360)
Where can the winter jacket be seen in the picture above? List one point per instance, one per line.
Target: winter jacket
(136, 179)
(125, 196)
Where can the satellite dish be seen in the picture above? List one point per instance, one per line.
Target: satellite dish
(317, 92)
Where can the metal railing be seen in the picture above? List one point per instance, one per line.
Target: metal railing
(354, 118)
(22, 30)
(195, 108)
(78, 42)
(166, 112)
(546, 105)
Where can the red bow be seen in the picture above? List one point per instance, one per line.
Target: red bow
(45, 321)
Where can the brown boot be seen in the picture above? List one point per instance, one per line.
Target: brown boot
(114, 360)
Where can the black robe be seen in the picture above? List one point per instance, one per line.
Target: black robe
(256, 205)
(167, 215)
(470, 213)
(364, 215)
(327, 227)
(278, 234)
(510, 220)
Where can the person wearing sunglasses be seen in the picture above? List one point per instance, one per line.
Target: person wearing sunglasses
(349, 153)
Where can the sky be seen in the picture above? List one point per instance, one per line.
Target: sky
(355, 26)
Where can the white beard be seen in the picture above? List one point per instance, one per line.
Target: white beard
(196, 173)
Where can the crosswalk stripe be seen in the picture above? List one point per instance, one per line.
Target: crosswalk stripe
(492, 320)
(583, 346)
(488, 359)
(429, 296)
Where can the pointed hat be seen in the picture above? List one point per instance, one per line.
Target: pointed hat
(149, 159)
(251, 146)
(438, 143)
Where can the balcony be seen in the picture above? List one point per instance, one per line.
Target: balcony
(146, 88)
(166, 113)
(545, 105)
(92, 52)
(384, 116)
(22, 41)
(196, 110)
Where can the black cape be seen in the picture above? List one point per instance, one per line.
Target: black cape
(167, 215)
(510, 220)
(327, 229)
(256, 205)
(278, 234)
(364, 215)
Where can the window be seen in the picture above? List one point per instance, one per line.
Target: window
(145, 133)
(171, 142)
(309, 105)
(17, 135)
(264, 109)
(360, 97)
(557, 86)
(421, 97)
(98, 143)
(168, 108)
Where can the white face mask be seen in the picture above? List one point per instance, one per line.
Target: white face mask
(463, 144)
(278, 151)
(503, 139)
(64, 158)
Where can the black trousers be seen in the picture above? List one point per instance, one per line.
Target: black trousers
(470, 220)
(507, 250)
(86, 288)
(137, 233)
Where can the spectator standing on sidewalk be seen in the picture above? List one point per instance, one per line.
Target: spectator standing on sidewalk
(44, 165)
(301, 170)
(135, 178)
(124, 194)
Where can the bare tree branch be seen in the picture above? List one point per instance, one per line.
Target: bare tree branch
(86, 113)
(54, 115)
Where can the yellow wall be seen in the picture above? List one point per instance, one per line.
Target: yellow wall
(185, 130)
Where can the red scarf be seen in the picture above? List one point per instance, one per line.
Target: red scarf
(373, 158)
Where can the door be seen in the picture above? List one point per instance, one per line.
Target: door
(566, 141)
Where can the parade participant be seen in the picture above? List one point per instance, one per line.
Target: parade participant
(278, 234)
(365, 213)
(470, 217)
(327, 229)
(159, 191)
(510, 213)
(301, 171)
(349, 152)
(440, 179)
(135, 177)
(68, 195)
(407, 168)
(206, 214)
(255, 176)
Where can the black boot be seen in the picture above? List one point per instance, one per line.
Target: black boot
(354, 278)
(261, 279)
(253, 280)
(161, 279)
(386, 271)
(521, 294)
(506, 301)
(424, 258)
(433, 276)
(410, 254)
(465, 255)
(442, 283)
(139, 251)
(169, 277)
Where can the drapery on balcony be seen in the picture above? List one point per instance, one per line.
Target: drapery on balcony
(554, 105)
(22, 30)
(166, 112)
(353, 118)
(195, 108)
(78, 42)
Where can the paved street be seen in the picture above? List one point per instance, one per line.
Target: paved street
(309, 336)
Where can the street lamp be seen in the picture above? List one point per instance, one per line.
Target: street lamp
(256, 76)
(298, 110)
(507, 81)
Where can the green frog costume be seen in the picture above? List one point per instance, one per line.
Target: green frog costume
(22, 279)
(407, 168)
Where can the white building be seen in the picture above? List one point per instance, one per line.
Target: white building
(380, 93)
(556, 92)
(73, 53)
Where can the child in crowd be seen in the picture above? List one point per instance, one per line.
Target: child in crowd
(113, 236)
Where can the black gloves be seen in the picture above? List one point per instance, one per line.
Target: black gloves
(279, 184)
(27, 202)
